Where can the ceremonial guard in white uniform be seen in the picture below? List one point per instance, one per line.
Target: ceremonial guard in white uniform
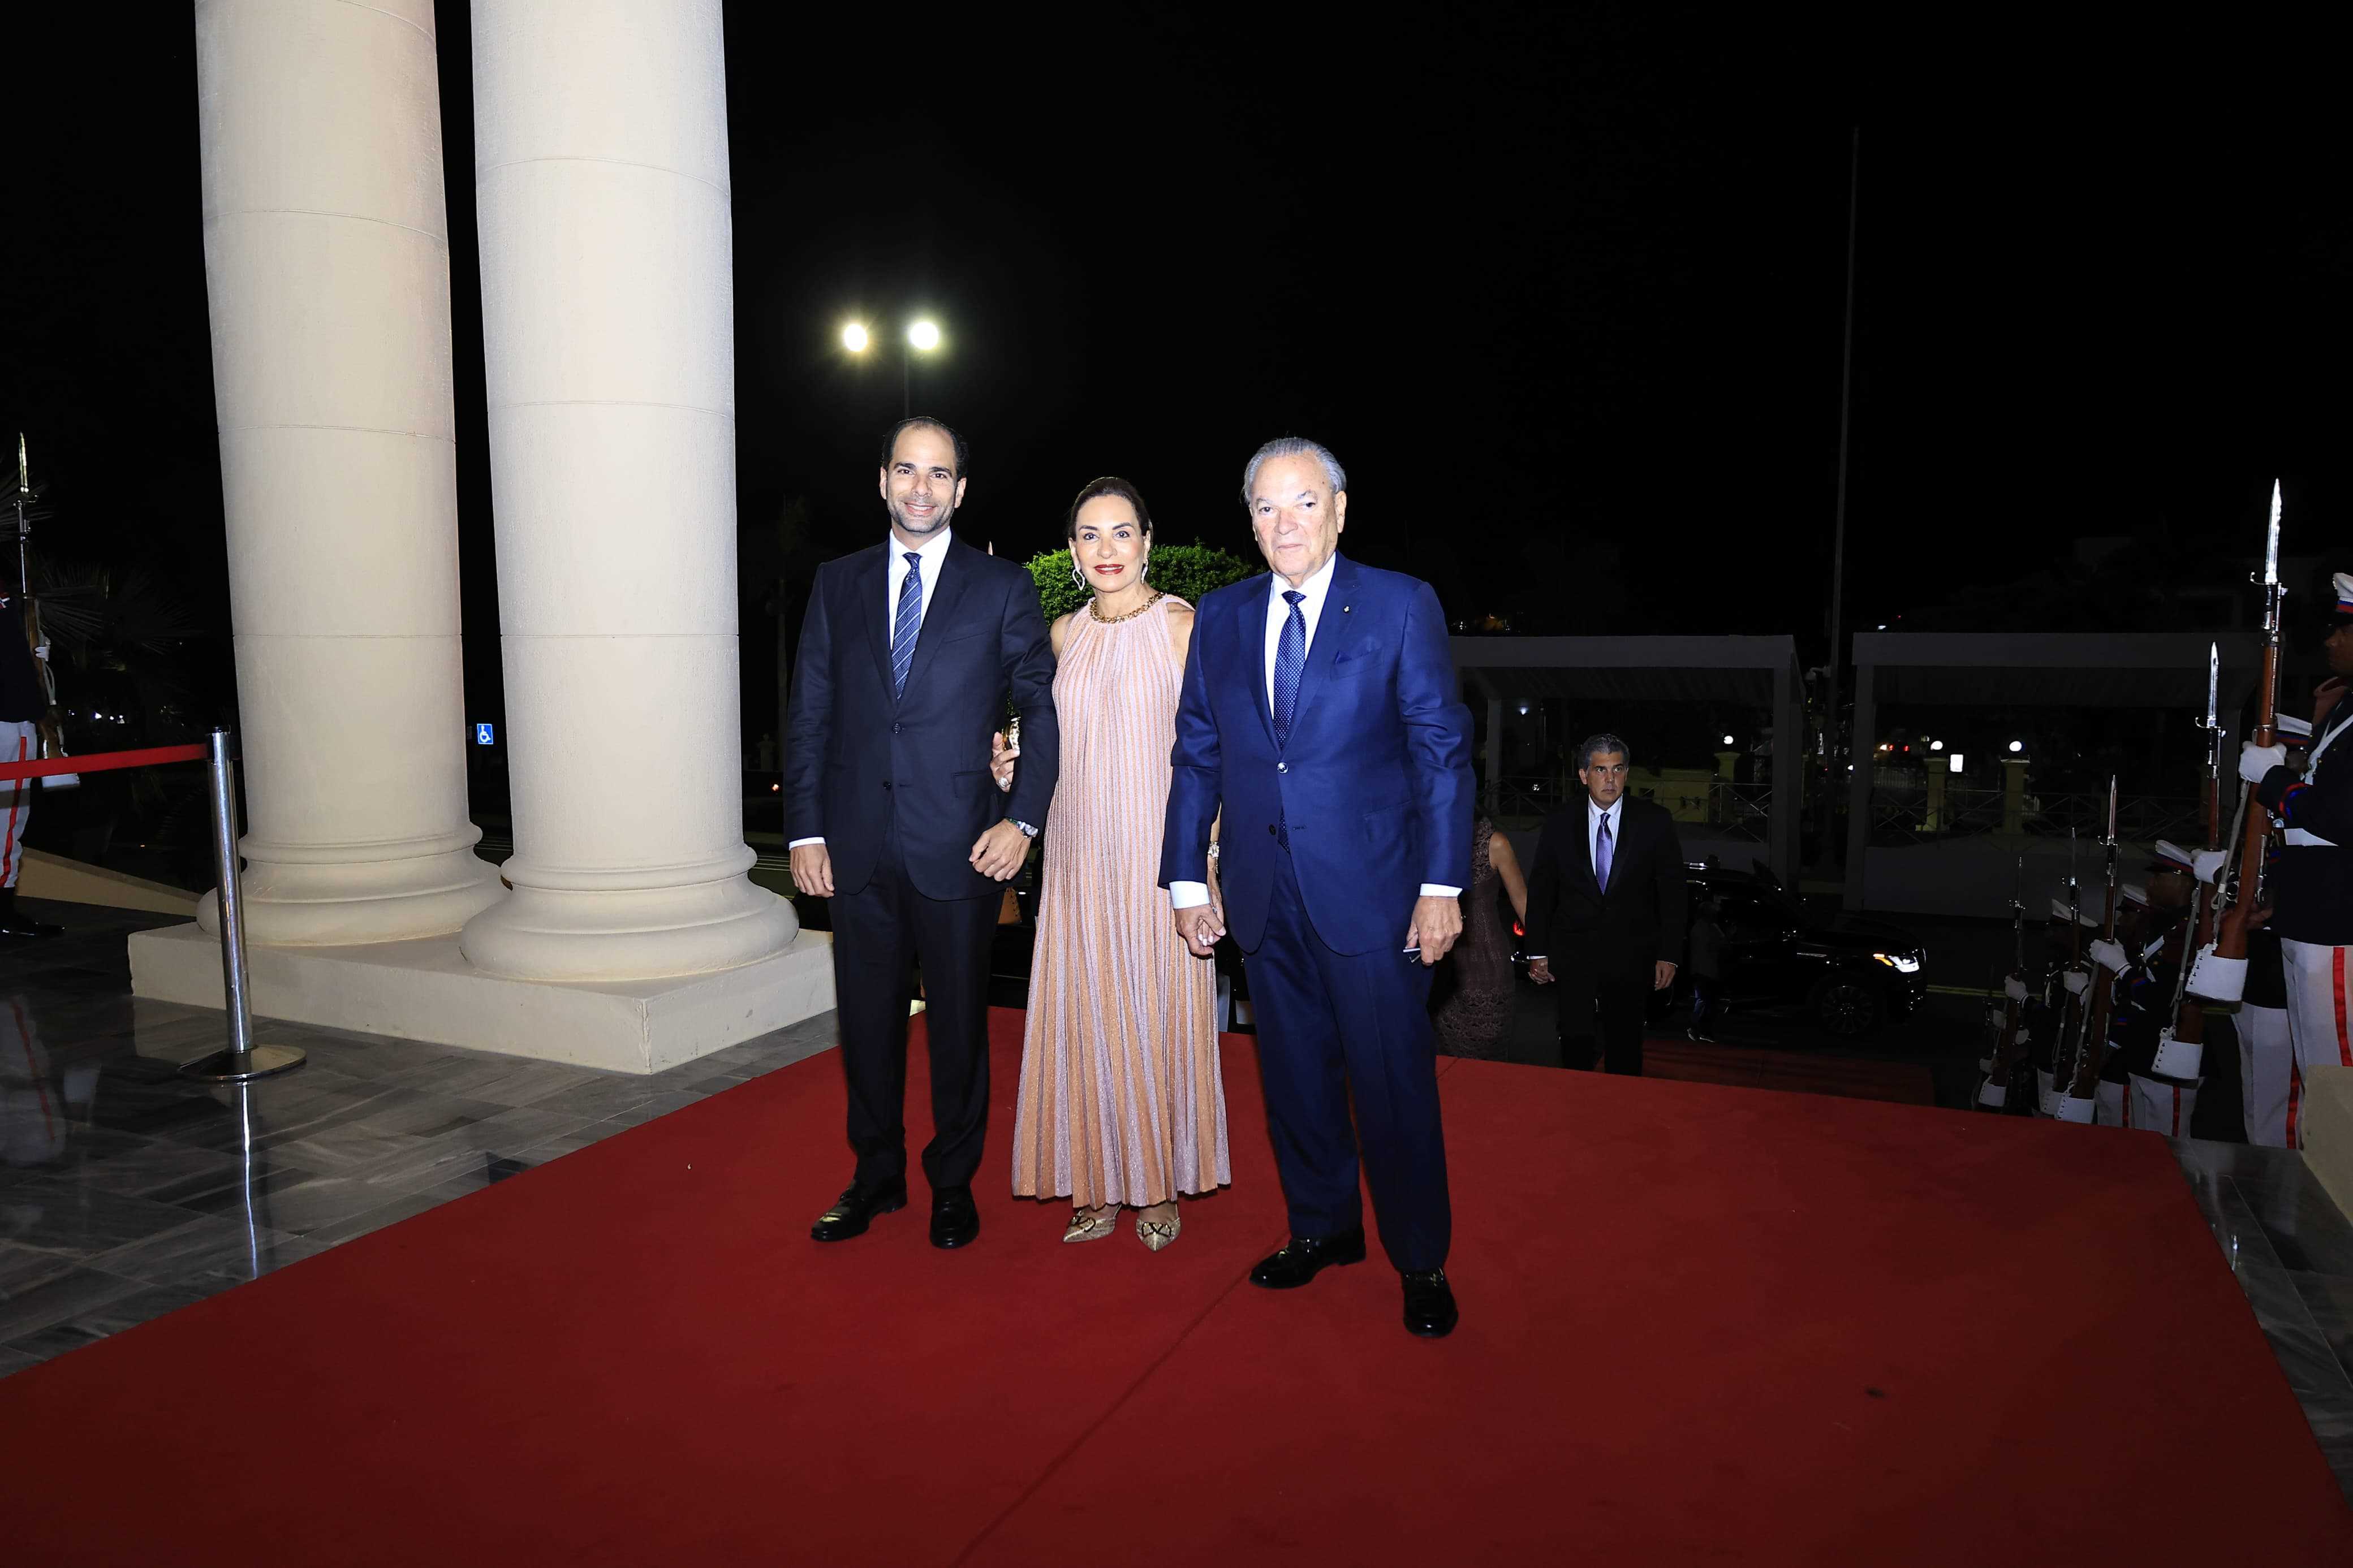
(24, 705)
(2133, 1093)
(2311, 884)
(2062, 984)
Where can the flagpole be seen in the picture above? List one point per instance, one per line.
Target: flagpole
(1831, 781)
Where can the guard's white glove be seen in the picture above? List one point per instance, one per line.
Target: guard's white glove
(2207, 864)
(2014, 988)
(2025, 1036)
(2110, 955)
(2255, 761)
(2076, 982)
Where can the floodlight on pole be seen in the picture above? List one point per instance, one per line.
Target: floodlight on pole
(924, 334)
(853, 337)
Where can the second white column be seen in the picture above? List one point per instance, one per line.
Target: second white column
(601, 183)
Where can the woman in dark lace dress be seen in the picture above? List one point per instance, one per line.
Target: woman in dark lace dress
(1477, 1012)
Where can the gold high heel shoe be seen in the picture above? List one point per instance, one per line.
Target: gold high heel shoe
(1092, 1225)
(1159, 1233)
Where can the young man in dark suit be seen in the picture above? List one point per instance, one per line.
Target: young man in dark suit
(1605, 902)
(909, 653)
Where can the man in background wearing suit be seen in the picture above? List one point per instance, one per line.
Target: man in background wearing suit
(909, 652)
(1605, 911)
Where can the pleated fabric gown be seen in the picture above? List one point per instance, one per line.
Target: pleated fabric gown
(1122, 1099)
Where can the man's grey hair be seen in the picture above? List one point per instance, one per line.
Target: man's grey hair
(1605, 741)
(1294, 447)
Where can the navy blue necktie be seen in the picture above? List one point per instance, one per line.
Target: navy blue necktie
(1290, 658)
(909, 624)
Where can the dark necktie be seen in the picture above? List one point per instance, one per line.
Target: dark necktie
(1601, 854)
(909, 624)
(1290, 658)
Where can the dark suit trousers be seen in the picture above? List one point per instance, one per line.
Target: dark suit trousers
(1332, 1027)
(1605, 1020)
(879, 931)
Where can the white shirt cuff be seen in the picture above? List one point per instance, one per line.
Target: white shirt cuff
(1193, 895)
(798, 842)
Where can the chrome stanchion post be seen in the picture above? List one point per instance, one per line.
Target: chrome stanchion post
(243, 1060)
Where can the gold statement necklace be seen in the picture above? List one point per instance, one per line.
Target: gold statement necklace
(1095, 608)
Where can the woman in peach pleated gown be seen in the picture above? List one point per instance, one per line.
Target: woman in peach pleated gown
(1122, 1105)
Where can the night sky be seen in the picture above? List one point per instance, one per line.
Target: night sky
(1562, 287)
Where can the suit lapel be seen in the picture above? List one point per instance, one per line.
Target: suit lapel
(1329, 633)
(956, 575)
(867, 582)
(1585, 848)
(1256, 607)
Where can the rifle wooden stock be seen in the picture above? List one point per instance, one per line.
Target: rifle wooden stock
(2230, 935)
(2091, 1044)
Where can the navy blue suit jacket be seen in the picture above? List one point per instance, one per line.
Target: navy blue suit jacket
(1374, 783)
(859, 756)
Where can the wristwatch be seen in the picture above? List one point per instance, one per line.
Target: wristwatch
(1027, 831)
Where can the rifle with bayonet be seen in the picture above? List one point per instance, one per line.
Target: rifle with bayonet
(2181, 1047)
(2009, 1045)
(2079, 1089)
(2073, 984)
(2220, 971)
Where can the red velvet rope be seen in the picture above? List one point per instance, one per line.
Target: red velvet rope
(99, 761)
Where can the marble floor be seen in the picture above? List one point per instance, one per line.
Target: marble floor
(127, 1190)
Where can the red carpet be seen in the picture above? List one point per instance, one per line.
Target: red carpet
(1799, 1072)
(1700, 1324)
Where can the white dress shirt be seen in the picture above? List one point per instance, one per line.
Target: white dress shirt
(932, 550)
(1316, 589)
(1593, 815)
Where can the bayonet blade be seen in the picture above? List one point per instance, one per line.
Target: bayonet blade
(2271, 541)
(2112, 811)
(23, 474)
(2213, 681)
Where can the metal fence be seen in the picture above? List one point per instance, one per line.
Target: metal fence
(1905, 816)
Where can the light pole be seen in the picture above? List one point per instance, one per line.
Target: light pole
(922, 333)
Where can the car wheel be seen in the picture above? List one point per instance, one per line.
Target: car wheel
(1846, 1006)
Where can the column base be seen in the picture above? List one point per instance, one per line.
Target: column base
(424, 990)
(334, 904)
(628, 934)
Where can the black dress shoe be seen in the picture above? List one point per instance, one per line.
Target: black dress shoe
(1304, 1257)
(15, 922)
(856, 1209)
(1429, 1305)
(956, 1219)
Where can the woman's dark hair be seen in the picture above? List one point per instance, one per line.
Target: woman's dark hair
(1108, 485)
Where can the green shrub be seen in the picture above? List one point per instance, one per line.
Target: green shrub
(1188, 571)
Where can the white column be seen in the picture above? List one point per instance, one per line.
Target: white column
(608, 312)
(327, 256)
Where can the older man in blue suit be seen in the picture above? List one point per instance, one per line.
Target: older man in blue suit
(1320, 713)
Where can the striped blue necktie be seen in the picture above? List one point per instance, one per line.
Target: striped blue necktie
(1290, 658)
(908, 624)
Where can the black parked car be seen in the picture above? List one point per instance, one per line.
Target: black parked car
(1850, 973)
